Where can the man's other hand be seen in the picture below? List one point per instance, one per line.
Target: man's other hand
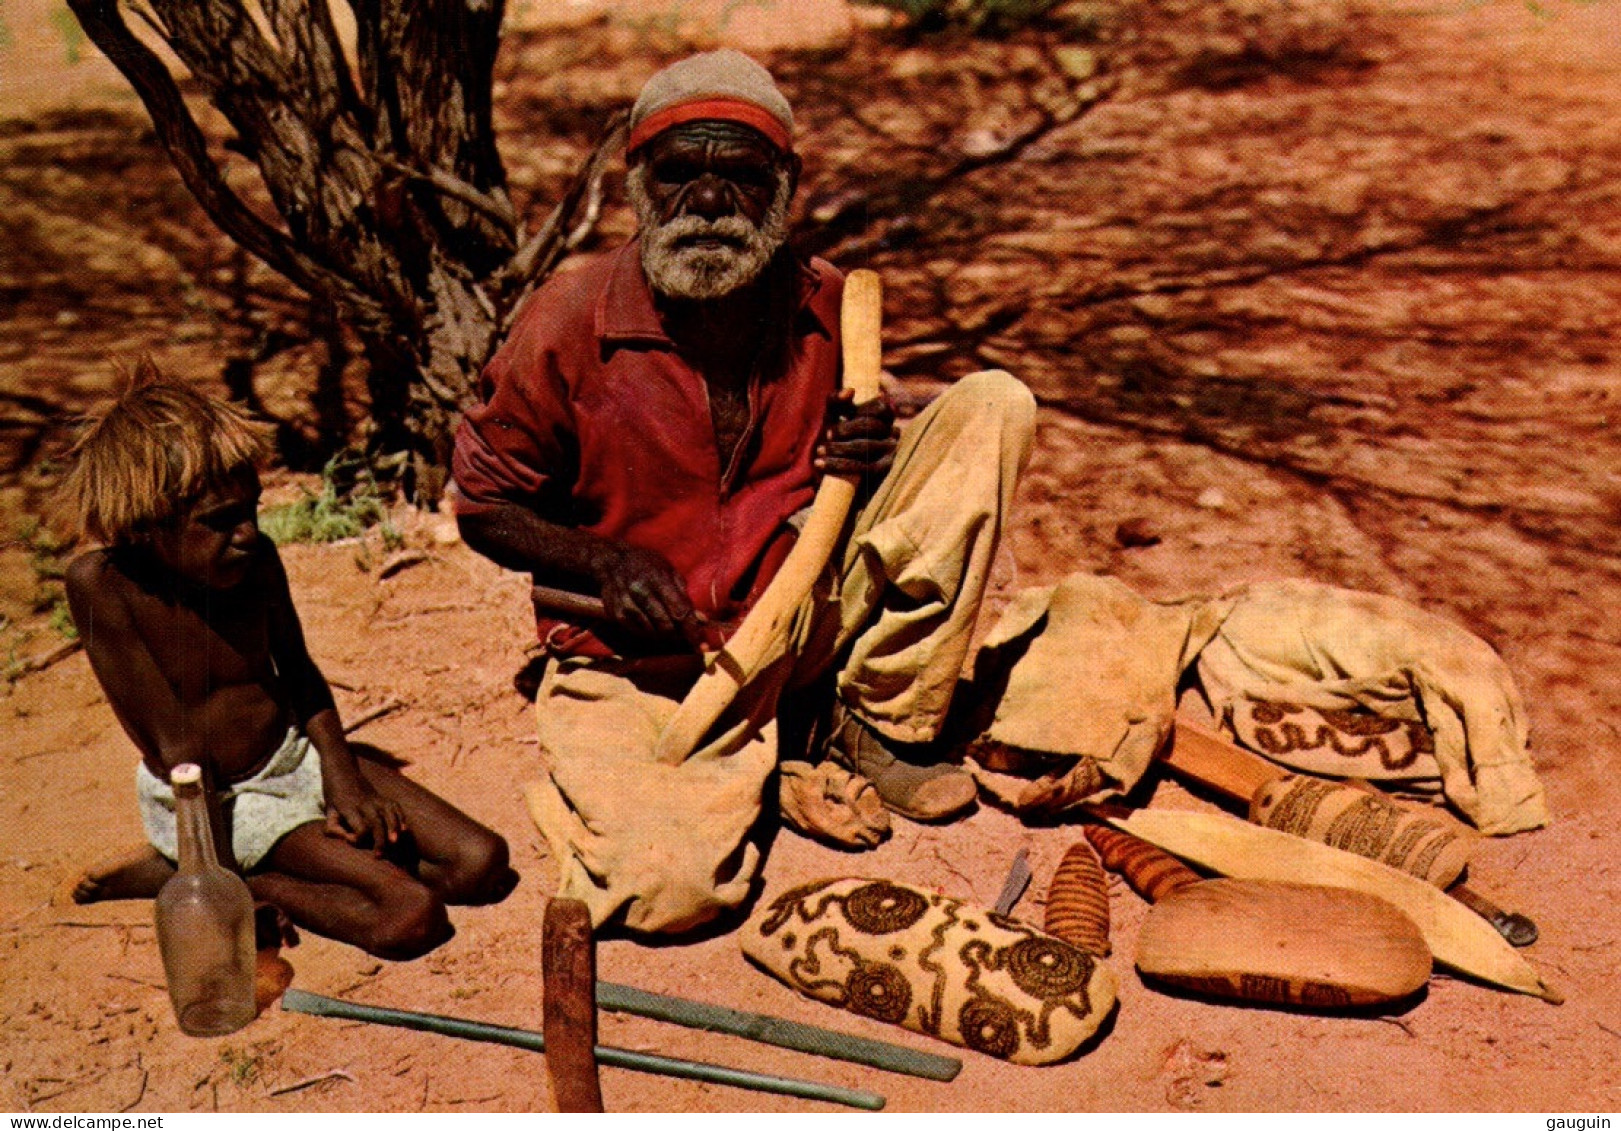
(644, 595)
(858, 441)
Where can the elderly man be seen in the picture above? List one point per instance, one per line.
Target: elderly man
(651, 432)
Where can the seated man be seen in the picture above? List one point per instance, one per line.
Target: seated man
(191, 631)
(650, 432)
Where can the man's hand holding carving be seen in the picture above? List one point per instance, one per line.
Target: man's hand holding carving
(643, 593)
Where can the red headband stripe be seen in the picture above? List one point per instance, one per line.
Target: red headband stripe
(711, 109)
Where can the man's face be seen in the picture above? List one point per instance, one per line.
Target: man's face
(213, 541)
(712, 199)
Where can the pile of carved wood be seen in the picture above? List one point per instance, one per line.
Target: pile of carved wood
(1294, 920)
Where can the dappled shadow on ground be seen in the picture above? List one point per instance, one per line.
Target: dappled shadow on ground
(1233, 226)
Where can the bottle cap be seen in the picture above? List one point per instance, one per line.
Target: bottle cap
(187, 773)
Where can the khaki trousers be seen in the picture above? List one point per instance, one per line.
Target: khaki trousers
(670, 845)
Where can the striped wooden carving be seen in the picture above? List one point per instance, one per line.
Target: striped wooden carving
(1151, 872)
(1078, 901)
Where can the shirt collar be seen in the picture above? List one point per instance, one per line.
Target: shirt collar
(626, 312)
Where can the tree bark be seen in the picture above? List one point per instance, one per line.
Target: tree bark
(389, 193)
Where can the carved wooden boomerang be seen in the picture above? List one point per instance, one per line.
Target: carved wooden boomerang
(860, 319)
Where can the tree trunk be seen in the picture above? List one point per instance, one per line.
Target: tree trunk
(382, 168)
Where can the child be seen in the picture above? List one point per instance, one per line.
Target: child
(190, 628)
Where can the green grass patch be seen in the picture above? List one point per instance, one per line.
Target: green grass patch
(48, 555)
(62, 620)
(334, 513)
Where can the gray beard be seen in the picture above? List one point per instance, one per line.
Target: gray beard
(702, 273)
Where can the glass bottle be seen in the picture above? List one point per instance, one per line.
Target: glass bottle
(205, 923)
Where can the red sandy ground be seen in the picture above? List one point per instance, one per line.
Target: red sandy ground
(1474, 469)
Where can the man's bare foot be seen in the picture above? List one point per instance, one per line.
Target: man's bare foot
(136, 872)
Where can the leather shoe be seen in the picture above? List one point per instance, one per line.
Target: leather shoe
(908, 785)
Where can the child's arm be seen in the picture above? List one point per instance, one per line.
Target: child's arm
(140, 695)
(354, 811)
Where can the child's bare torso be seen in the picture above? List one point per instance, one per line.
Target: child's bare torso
(220, 699)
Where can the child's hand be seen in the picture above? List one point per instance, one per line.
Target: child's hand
(362, 816)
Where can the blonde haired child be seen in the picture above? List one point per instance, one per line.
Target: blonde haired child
(190, 628)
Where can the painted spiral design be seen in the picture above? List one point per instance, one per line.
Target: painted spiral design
(879, 990)
(1048, 968)
(990, 1027)
(882, 908)
(1078, 901)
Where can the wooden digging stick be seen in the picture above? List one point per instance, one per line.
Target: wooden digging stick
(569, 974)
(768, 621)
(298, 1001)
(1208, 759)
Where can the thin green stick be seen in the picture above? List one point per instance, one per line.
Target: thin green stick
(299, 1001)
(777, 1031)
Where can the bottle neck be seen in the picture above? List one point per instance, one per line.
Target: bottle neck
(195, 830)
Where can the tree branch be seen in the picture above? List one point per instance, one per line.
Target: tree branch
(497, 208)
(343, 79)
(541, 252)
(188, 149)
(589, 215)
(181, 137)
(431, 78)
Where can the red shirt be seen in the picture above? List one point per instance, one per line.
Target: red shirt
(592, 420)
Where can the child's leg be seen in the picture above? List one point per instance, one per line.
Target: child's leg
(134, 872)
(462, 860)
(335, 889)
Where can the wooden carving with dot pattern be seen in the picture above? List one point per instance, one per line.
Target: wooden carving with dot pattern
(935, 965)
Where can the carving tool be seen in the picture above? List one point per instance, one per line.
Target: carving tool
(1018, 878)
(1516, 928)
(300, 1001)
